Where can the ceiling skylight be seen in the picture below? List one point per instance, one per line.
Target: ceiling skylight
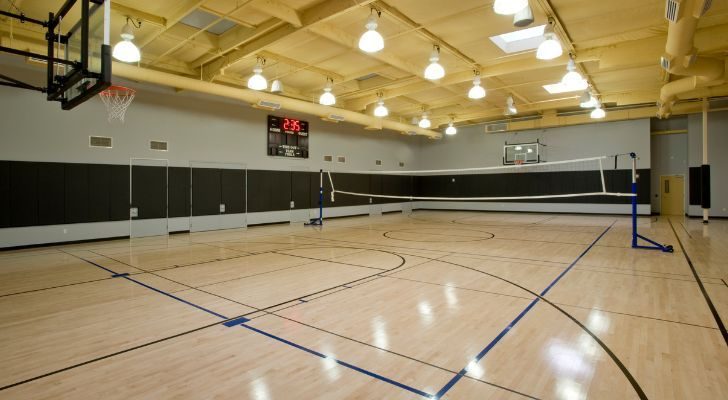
(200, 19)
(556, 88)
(521, 40)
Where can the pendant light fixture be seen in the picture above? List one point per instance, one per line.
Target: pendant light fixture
(424, 121)
(434, 71)
(550, 48)
(451, 129)
(510, 106)
(509, 7)
(573, 78)
(381, 110)
(476, 92)
(258, 81)
(126, 50)
(327, 98)
(598, 112)
(371, 41)
(587, 100)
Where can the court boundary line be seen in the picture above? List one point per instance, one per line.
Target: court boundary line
(504, 332)
(706, 296)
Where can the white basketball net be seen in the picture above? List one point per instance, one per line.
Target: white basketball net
(117, 99)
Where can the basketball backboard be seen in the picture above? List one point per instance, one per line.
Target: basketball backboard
(78, 54)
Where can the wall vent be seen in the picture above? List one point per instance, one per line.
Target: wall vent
(99, 141)
(329, 158)
(706, 7)
(401, 164)
(378, 162)
(158, 145)
(499, 127)
(341, 159)
(672, 10)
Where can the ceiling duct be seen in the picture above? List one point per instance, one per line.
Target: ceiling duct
(131, 72)
(681, 57)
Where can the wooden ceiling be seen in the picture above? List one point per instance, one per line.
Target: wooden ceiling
(616, 43)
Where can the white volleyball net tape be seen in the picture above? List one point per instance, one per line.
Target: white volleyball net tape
(582, 177)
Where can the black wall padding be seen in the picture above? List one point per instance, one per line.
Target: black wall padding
(695, 187)
(358, 183)
(99, 188)
(51, 190)
(398, 186)
(232, 190)
(301, 190)
(118, 192)
(705, 186)
(76, 196)
(4, 194)
(269, 190)
(149, 191)
(23, 193)
(179, 192)
(205, 191)
(375, 187)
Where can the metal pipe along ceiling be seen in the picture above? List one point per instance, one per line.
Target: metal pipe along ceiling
(681, 58)
(253, 97)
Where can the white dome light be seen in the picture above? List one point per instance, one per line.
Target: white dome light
(371, 41)
(511, 107)
(126, 50)
(434, 71)
(587, 100)
(476, 92)
(550, 48)
(509, 7)
(573, 78)
(327, 98)
(425, 122)
(258, 81)
(598, 113)
(451, 130)
(381, 110)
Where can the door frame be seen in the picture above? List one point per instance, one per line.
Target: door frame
(684, 211)
(166, 189)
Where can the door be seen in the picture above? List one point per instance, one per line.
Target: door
(218, 196)
(672, 195)
(300, 195)
(148, 197)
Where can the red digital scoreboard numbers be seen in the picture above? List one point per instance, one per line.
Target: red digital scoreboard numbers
(287, 137)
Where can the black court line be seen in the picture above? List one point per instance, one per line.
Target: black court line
(686, 230)
(55, 287)
(635, 385)
(182, 333)
(641, 276)
(724, 282)
(589, 266)
(332, 260)
(712, 308)
(561, 304)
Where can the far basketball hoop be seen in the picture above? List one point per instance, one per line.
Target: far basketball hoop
(117, 99)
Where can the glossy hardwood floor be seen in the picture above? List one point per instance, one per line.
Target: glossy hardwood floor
(453, 305)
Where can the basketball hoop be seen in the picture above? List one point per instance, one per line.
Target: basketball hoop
(117, 99)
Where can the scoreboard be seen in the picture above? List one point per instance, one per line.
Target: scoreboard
(287, 137)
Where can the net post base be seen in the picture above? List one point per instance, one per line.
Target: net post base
(665, 248)
(315, 222)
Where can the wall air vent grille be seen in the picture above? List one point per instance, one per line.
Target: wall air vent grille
(706, 6)
(99, 141)
(329, 158)
(341, 159)
(378, 162)
(498, 127)
(158, 145)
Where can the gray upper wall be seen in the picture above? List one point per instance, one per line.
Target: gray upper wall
(472, 147)
(197, 127)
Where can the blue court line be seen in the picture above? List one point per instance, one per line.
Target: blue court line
(236, 321)
(513, 323)
(342, 363)
(126, 276)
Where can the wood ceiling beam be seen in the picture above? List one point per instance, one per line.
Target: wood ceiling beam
(276, 9)
(310, 18)
(299, 65)
(138, 14)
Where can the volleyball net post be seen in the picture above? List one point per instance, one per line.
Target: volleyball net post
(636, 236)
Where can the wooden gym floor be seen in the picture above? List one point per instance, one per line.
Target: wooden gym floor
(458, 305)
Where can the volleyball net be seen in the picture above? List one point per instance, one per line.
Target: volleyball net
(558, 181)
